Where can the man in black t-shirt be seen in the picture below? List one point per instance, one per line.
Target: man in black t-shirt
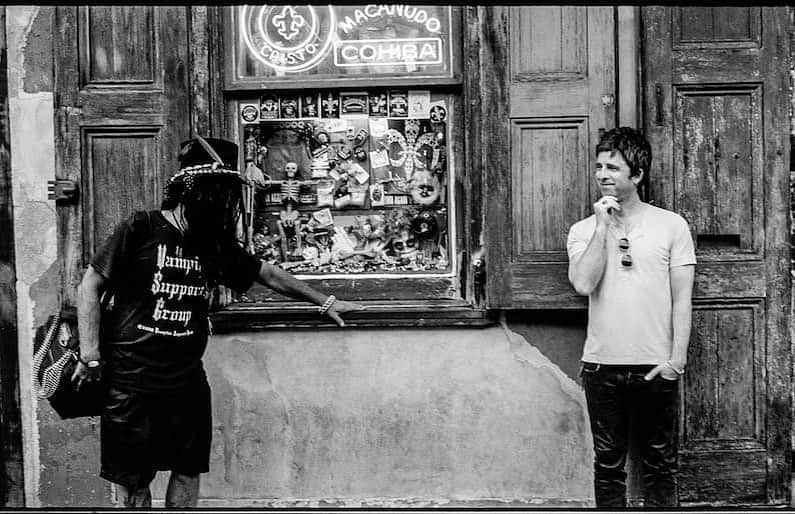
(160, 267)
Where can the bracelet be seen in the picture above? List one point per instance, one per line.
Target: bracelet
(676, 370)
(327, 304)
(91, 363)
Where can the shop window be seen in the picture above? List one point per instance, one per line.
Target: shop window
(349, 122)
(349, 182)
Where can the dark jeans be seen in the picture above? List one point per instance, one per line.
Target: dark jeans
(612, 393)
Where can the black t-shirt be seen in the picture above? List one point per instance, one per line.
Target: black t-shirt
(155, 333)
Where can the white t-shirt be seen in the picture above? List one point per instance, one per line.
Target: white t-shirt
(630, 311)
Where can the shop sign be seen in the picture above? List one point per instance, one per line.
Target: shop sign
(287, 38)
(283, 39)
(388, 52)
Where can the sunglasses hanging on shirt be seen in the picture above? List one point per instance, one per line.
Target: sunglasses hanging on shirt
(626, 258)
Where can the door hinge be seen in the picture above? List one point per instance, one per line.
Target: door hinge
(62, 191)
(71, 110)
(65, 113)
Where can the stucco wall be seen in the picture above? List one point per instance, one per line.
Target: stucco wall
(349, 417)
(54, 474)
(392, 418)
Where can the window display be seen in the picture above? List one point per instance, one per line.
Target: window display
(349, 182)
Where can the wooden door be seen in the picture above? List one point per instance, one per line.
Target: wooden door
(122, 108)
(549, 88)
(716, 112)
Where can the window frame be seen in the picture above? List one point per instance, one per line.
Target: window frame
(231, 83)
(410, 301)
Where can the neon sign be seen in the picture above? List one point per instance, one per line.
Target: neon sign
(298, 38)
(410, 13)
(384, 52)
(287, 38)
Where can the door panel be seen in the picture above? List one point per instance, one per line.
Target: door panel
(717, 131)
(725, 26)
(122, 98)
(558, 74)
(124, 164)
(724, 400)
(109, 32)
(716, 113)
(546, 199)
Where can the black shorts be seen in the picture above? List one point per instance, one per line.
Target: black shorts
(142, 433)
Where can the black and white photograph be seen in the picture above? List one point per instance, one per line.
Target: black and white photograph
(379, 257)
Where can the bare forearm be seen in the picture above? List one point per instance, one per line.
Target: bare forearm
(682, 278)
(283, 282)
(586, 272)
(88, 322)
(682, 314)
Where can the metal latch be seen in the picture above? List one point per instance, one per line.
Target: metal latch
(62, 191)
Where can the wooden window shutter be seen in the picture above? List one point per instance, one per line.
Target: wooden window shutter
(545, 71)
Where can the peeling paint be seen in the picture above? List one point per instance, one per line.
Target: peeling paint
(32, 164)
(525, 352)
(38, 52)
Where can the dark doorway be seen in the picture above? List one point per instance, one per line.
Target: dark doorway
(11, 471)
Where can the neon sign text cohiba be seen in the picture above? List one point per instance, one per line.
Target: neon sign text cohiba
(387, 52)
(296, 38)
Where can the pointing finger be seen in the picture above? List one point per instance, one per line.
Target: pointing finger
(336, 317)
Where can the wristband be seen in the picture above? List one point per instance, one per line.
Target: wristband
(92, 363)
(327, 304)
(676, 370)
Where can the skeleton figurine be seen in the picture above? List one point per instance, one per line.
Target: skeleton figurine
(289, 219)
(291, 186)
(254, 177)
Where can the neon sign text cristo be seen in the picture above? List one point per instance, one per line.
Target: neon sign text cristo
(287, 38)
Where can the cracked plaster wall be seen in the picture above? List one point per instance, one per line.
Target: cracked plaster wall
(58, 455)
(30, 114)
(393, 417)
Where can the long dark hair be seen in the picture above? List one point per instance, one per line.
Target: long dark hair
(212, 207)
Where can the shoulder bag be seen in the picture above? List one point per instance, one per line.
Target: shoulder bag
(54, 363)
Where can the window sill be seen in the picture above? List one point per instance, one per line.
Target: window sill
(247, 317)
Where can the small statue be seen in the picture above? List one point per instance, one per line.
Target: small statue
(265, 245)
(424, 187)
(342, 196)
(291, 186)
(289, 223)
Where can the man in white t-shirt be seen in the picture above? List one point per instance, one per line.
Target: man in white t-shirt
(636, 264)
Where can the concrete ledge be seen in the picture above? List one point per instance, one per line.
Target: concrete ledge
(392, 503)
(246, 317)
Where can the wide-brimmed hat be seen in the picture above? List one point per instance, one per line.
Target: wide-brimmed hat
(207, 156)
(206, 160)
